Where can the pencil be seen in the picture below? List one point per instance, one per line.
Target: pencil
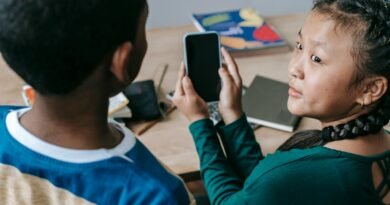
(162, 76)
(152, 123)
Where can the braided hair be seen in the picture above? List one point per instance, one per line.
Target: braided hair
(369, 22)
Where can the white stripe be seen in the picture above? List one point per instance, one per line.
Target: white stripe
(20, 134)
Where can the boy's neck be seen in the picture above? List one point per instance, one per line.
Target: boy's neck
(76, 122)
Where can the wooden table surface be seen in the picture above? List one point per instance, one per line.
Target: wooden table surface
(169, 140)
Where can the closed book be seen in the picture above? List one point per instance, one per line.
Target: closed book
(242, 31)
(265, 103)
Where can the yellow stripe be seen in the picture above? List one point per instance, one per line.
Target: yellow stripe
(19, 188)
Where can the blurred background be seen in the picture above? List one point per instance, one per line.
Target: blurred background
(169, 13)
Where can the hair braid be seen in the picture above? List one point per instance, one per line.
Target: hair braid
(370, 123)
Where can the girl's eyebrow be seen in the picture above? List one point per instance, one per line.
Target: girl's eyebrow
(316, 43)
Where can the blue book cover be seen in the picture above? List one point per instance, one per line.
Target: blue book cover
(240, 30)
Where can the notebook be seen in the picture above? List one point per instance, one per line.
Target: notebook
(265, 103)
(243, 32)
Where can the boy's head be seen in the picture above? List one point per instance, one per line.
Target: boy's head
(56, 45)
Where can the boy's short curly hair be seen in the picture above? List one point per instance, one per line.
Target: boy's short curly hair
(55, 45)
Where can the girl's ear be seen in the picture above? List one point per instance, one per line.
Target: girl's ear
(373, 89)
(120, 62)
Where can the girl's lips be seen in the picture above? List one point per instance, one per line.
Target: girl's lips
(293, 92)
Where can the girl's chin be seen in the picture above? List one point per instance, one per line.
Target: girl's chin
(295, 108)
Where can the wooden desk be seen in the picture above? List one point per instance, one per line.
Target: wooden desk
(170, 140)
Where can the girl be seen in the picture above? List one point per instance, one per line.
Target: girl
(339, 74)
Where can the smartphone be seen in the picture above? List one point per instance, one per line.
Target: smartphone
(202, 58)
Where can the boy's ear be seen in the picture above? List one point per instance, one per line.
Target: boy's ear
(120, 62)
(374, 88)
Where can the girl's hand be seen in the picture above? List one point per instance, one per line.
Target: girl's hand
(187, 100)
(230, 98)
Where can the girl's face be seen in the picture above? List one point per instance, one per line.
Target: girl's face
(321, 71)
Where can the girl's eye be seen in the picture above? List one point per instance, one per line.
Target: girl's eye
(299, 46)
(316, 59)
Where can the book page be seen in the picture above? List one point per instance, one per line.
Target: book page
(117, 102)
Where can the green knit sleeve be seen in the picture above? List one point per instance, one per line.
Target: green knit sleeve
(221, 181)
(241, 147)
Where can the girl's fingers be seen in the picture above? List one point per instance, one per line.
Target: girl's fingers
(227, 79)
(179, 87)
(232, 66)
(188, 87)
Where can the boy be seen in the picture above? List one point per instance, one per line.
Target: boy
(76, 54)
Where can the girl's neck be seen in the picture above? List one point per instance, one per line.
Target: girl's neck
(354, 113)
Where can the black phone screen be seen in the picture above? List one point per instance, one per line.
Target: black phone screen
(203, 61)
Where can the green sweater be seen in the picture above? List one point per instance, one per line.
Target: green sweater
(318, 175)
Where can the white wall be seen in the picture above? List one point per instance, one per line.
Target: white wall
(167, 13)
